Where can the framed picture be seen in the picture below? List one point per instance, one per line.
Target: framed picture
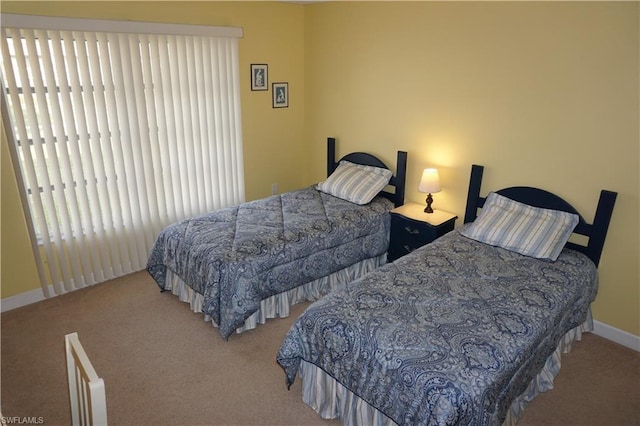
(280, 93)
(259, 77)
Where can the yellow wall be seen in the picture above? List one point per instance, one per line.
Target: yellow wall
(18, 272)
(541, 93)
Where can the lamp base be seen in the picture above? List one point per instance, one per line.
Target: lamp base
(429, 200)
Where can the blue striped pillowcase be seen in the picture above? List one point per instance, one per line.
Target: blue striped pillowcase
(532, 231)
(355, 182)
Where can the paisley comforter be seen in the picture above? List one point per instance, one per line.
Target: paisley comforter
(239, 256)
(449, 334)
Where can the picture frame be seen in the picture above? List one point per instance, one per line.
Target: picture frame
(280, 94)
(259, 77)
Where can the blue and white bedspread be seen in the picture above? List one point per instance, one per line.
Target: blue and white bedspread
(238, 256)
(449, 334)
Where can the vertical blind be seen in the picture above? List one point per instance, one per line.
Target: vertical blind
(118, 135)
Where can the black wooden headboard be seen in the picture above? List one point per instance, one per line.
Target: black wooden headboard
(398, 180)
(596, 232)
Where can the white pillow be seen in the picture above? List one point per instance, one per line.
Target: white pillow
(532, 231)
(355, 182)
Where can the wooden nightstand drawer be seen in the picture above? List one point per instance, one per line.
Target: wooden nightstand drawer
(412, 231)
(412, 228)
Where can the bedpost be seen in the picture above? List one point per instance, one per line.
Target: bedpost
(401, 176)
(473, 196)
(331, 155)
(601, 224)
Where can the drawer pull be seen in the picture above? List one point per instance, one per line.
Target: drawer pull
(411, 230)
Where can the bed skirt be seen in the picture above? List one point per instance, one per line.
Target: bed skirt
(278, 305)
(331, 400)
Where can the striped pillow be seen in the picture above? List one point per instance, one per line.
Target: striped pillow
(532, 231)
(355, 182)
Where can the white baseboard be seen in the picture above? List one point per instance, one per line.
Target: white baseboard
(23, 299)
(616, 335)
(601, 329)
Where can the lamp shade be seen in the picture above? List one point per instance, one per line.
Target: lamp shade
(430, 182)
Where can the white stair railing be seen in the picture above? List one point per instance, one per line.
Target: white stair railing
(86, 389)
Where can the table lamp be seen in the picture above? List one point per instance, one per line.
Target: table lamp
(430, 183)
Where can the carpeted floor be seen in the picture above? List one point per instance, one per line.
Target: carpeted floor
(162, 364)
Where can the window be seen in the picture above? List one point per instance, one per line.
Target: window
(117, 134)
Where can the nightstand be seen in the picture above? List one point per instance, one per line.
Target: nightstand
(411, 228)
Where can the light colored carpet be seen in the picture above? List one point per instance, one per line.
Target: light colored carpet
(162, 364)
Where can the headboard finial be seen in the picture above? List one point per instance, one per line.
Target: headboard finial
(475, 182)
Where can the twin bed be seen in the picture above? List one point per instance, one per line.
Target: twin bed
(243, 264)
(465, 330)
